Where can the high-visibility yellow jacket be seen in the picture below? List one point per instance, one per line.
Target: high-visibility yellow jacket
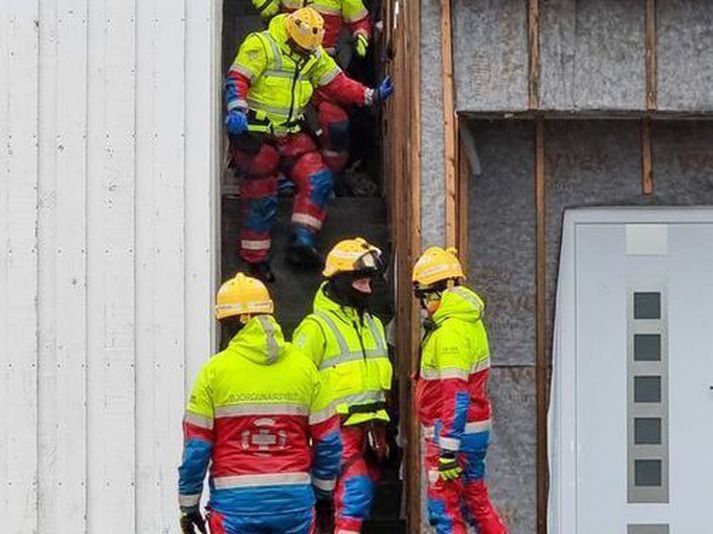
(275, 83)
(351, 354)
(336, 14)
(260, 418)
(451, 387)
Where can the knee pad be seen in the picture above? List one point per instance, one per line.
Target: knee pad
(358, 496)
(322, 186)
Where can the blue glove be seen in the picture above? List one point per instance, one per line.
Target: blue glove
(385, 89)
(236, 122)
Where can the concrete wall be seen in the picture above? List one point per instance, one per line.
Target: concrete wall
(588, 163)
(108, 115)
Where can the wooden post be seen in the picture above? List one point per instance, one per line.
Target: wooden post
(462, 195)
(533, 38)
(449, 126)
(541, 345)
(651, 62)
(647, 172)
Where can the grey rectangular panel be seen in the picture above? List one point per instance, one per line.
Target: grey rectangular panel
(647, 389)
(647, 431)
(647, 529)
(647, 305)
(647, 347)
(648, 473)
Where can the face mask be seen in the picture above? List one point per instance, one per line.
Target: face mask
(351, 290)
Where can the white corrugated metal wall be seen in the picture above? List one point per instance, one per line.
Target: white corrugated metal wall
(108, 126)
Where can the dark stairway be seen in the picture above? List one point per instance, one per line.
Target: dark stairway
(293, 293)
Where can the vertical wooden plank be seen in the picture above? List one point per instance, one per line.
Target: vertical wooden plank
(449, 128)
(533, 38)
(413, 45)
(110, 267)
(651, 61)
(647, 171)
(540, 343)
(159, 224)
(463, 196)
(18, 284)
(62, 236)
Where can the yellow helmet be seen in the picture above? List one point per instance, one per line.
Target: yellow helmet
(436, 265)
(352, 255)
(242, 296)
(306, 27)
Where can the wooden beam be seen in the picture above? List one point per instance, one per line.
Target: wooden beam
(462, 195)
(533, 41)
(413, 49)
(651, 61)
(541, 325)
(449, 123)
(647, 171)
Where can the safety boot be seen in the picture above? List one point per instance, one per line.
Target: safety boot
(301, 252)
(262, 271)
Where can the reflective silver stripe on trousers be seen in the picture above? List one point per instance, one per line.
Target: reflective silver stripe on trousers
(473, 427)
(259, 408)
(262, 244)
(273, 350)
(248, 481)
(307, 220)
(323, 484)
(189, 500)
(198, 420)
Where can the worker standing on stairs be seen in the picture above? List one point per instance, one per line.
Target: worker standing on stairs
(267, 88)
(348, 346)
(260, 418)
(337, 14)
(451, 390)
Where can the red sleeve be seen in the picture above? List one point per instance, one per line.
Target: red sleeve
(361, 26)
(344, 90)
(237, 86)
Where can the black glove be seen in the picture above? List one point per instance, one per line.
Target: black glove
(324, 510)
(189, 520)
(448, 467)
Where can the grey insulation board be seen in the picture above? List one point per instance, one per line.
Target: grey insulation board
(433, 209)
(490, 55)
(587, 163)
(502, 236)
(592, 55)
(685, 55)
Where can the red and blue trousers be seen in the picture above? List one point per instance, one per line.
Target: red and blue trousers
(259, 162)
(334, 131)
(454, 504)
(268, 523)
(356, 484)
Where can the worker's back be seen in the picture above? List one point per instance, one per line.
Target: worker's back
(258, 395)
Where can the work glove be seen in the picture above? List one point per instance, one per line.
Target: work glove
(361, 44)
(386, 87)
(189, 520)
(448, 467)
(236, 122)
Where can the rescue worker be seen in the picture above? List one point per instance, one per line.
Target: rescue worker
(267, 88)
(254, 409)
(338, 15)
(348, 346)
(452, 399)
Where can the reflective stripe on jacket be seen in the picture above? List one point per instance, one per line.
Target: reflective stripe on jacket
(455, 361)
(351, 354)
(259, 416)
(281, 82)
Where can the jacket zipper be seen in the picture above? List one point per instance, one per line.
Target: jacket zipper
(298, 67)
